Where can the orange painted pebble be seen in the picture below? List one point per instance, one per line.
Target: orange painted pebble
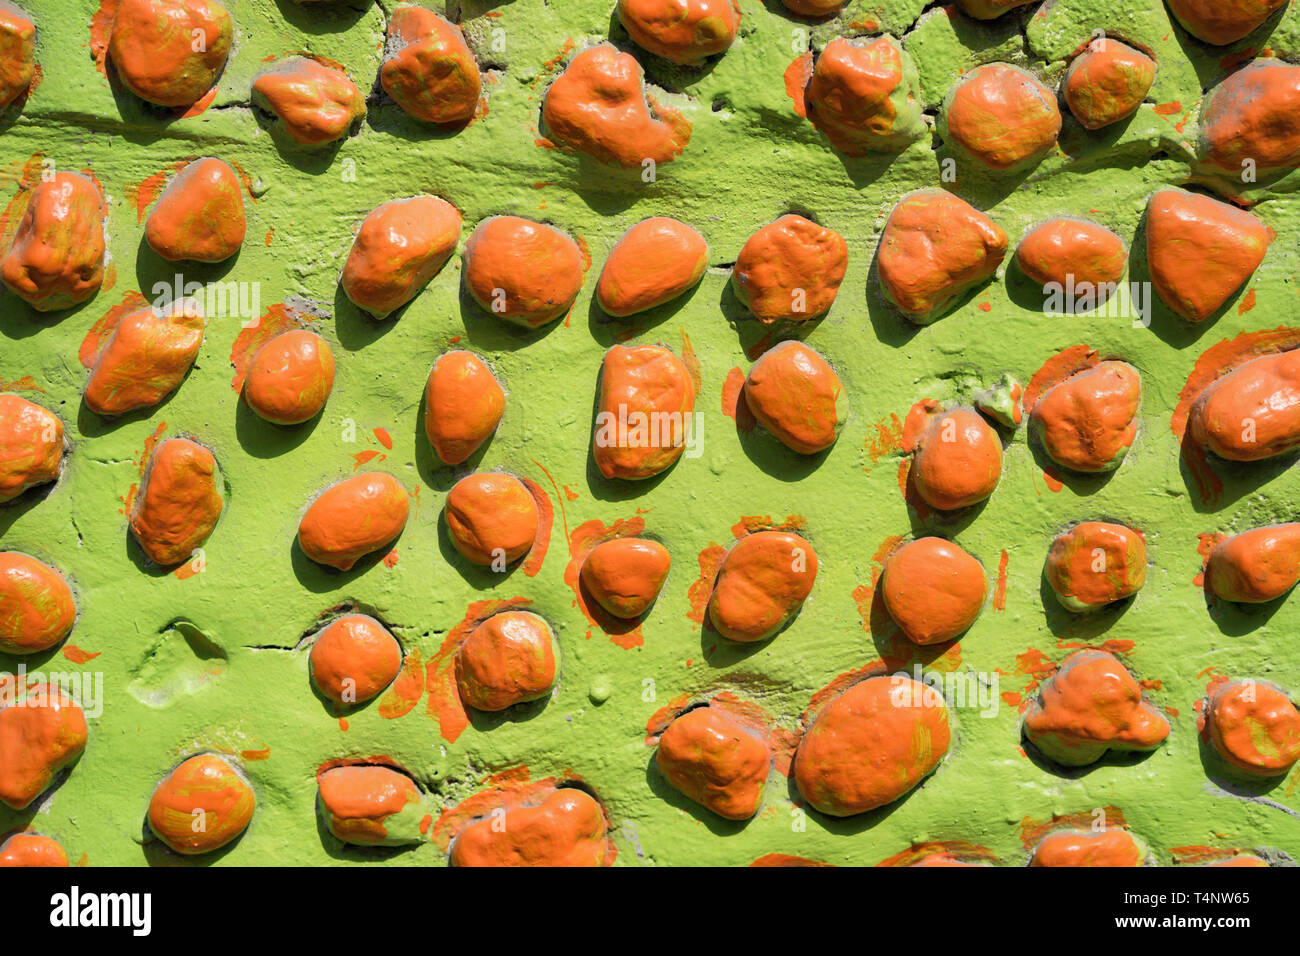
(17, 53)
(526, 272)
(1251, 121)
(153, 50)
(31, 446)
(865, 98)
(178, 504)
(933, 589)
(290, 377)
(1254, 727)
(203, 804)
(146, 358)
(625, 575)
(1255, 566)
(871, 745)
(790, 270)
(684, 31)
(1108, 847)
(370, 805)
(1252, 412)
(400, 246)
(1221, 22)
(1200, 251)
(314, 103)
(598, 107)
(354, 518)
(1107, 82)
(32, 849)
(1088, 421)
(1096, 563)
(763, 581)
(200, 215)
(353, 659)
(57, 257)
(935, 247)
(1001, 116)
(1091, 705)
(794, 393)
(716, 761)
(463, 405)
(492, 519)
(567, 829)
(654, 262)
(37, 609)
(42, 731)
(509, 659)
(958, 460)
(428, 69)
(1074, 254)
(645, 417)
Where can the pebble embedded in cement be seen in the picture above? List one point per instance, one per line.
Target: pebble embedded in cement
(1107, 847)
(1076, 255)
(866, 97)
(170, 52)
(795, 394)
(1089, 706)
(790, 270)
(17, 53)
(290, 378)
(463, 405)
(871, 745)
(625, 575)
(716, 761)
(684, 31)
(1255, 566)
(32, 849)
(428, 69)
(1096, 563)
(201, 805)
(492, 519)
(568, 828)
(57, 257)
(1252, 412)
(314, 103)
(1254, 727)
(1001, 116)
(353, 659)
(200, 215)
(42, 732)
(762, 584)
(1088, 421)
(654, 262)
(1107, 82)
(511, 658)
(526, 272)
(37, 609)
(370, 805)
(31, 446)
(400, 246)
(146, 358)
(958, 460)
(645, 417)
(933, 589)
(178, 503)
(353, 518)
(1220, 22)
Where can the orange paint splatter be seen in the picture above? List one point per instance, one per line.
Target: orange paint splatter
(263, 754)
(24, 384)
(401, 698)
(571, 495)
(28, 175)
(797, 76)
(385, 439)
(1247, 302)
(1032, 830)
(390, 559)
(1169, 109)
(545, 518)
(886, 439)
(75, 654)
(701, 588)
(365, 457)
(101, 25)
(444, 703)
(1052, 480)
(278, 318)
(625, 633)
(1000, 589)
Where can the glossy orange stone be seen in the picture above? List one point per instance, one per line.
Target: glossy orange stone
(42, 732)
(37, 609)
(568, 828)
(795, 394)
(57, 257)
(625, 575)
(865, 97)
(1107, 82)
(428, 69)
(871, 745)
(1088, 421)
(178, 504)
(1075, 254)
(203, 804)
(353, 659)
(200, 215)
(1252, 412)
(654, 262)
(1255, 566)
(354, 518)
(463, 405)
(1002, 116)
(17, 53)
(790, 270)
(716, 761)
(290, 377)
(370, 805)
(314, 103)
(509, 659)
(400, 246)
(958, 460)
(933, 589)
(763, 581)
(31, 446)
(525, 272)
(645, 416)
(1221, 22)
(684, 31)
(170, 52)
(492, 519)
(1108, 847)
(32, 849)
(1254, 727)
(146, 358)
(1096, 563)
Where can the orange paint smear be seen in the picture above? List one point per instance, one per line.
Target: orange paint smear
(1205, 543)
(624, 633)
(28, 175)
(278, 318)
(101, 25)
(390, 559)
(143, 193)
(75, 654)
(1032, 830)
(1052, 480)
(887, 438)
(444, 703)
(141, 463)
(264, 754)
(755, 351)
(365, 457)
(1247, 302)
(545, 518)
(957, 849)
(385, 439)
(691, 361)
(102, 330)
(185, 571)
(195, 109)
(1000, 589)
(797, 76)
(505, 791)
(572, 496)
(1057, 369)
(401, 698)
(701, 588)
(748, 524)
(24, 384)
(1169, 109)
